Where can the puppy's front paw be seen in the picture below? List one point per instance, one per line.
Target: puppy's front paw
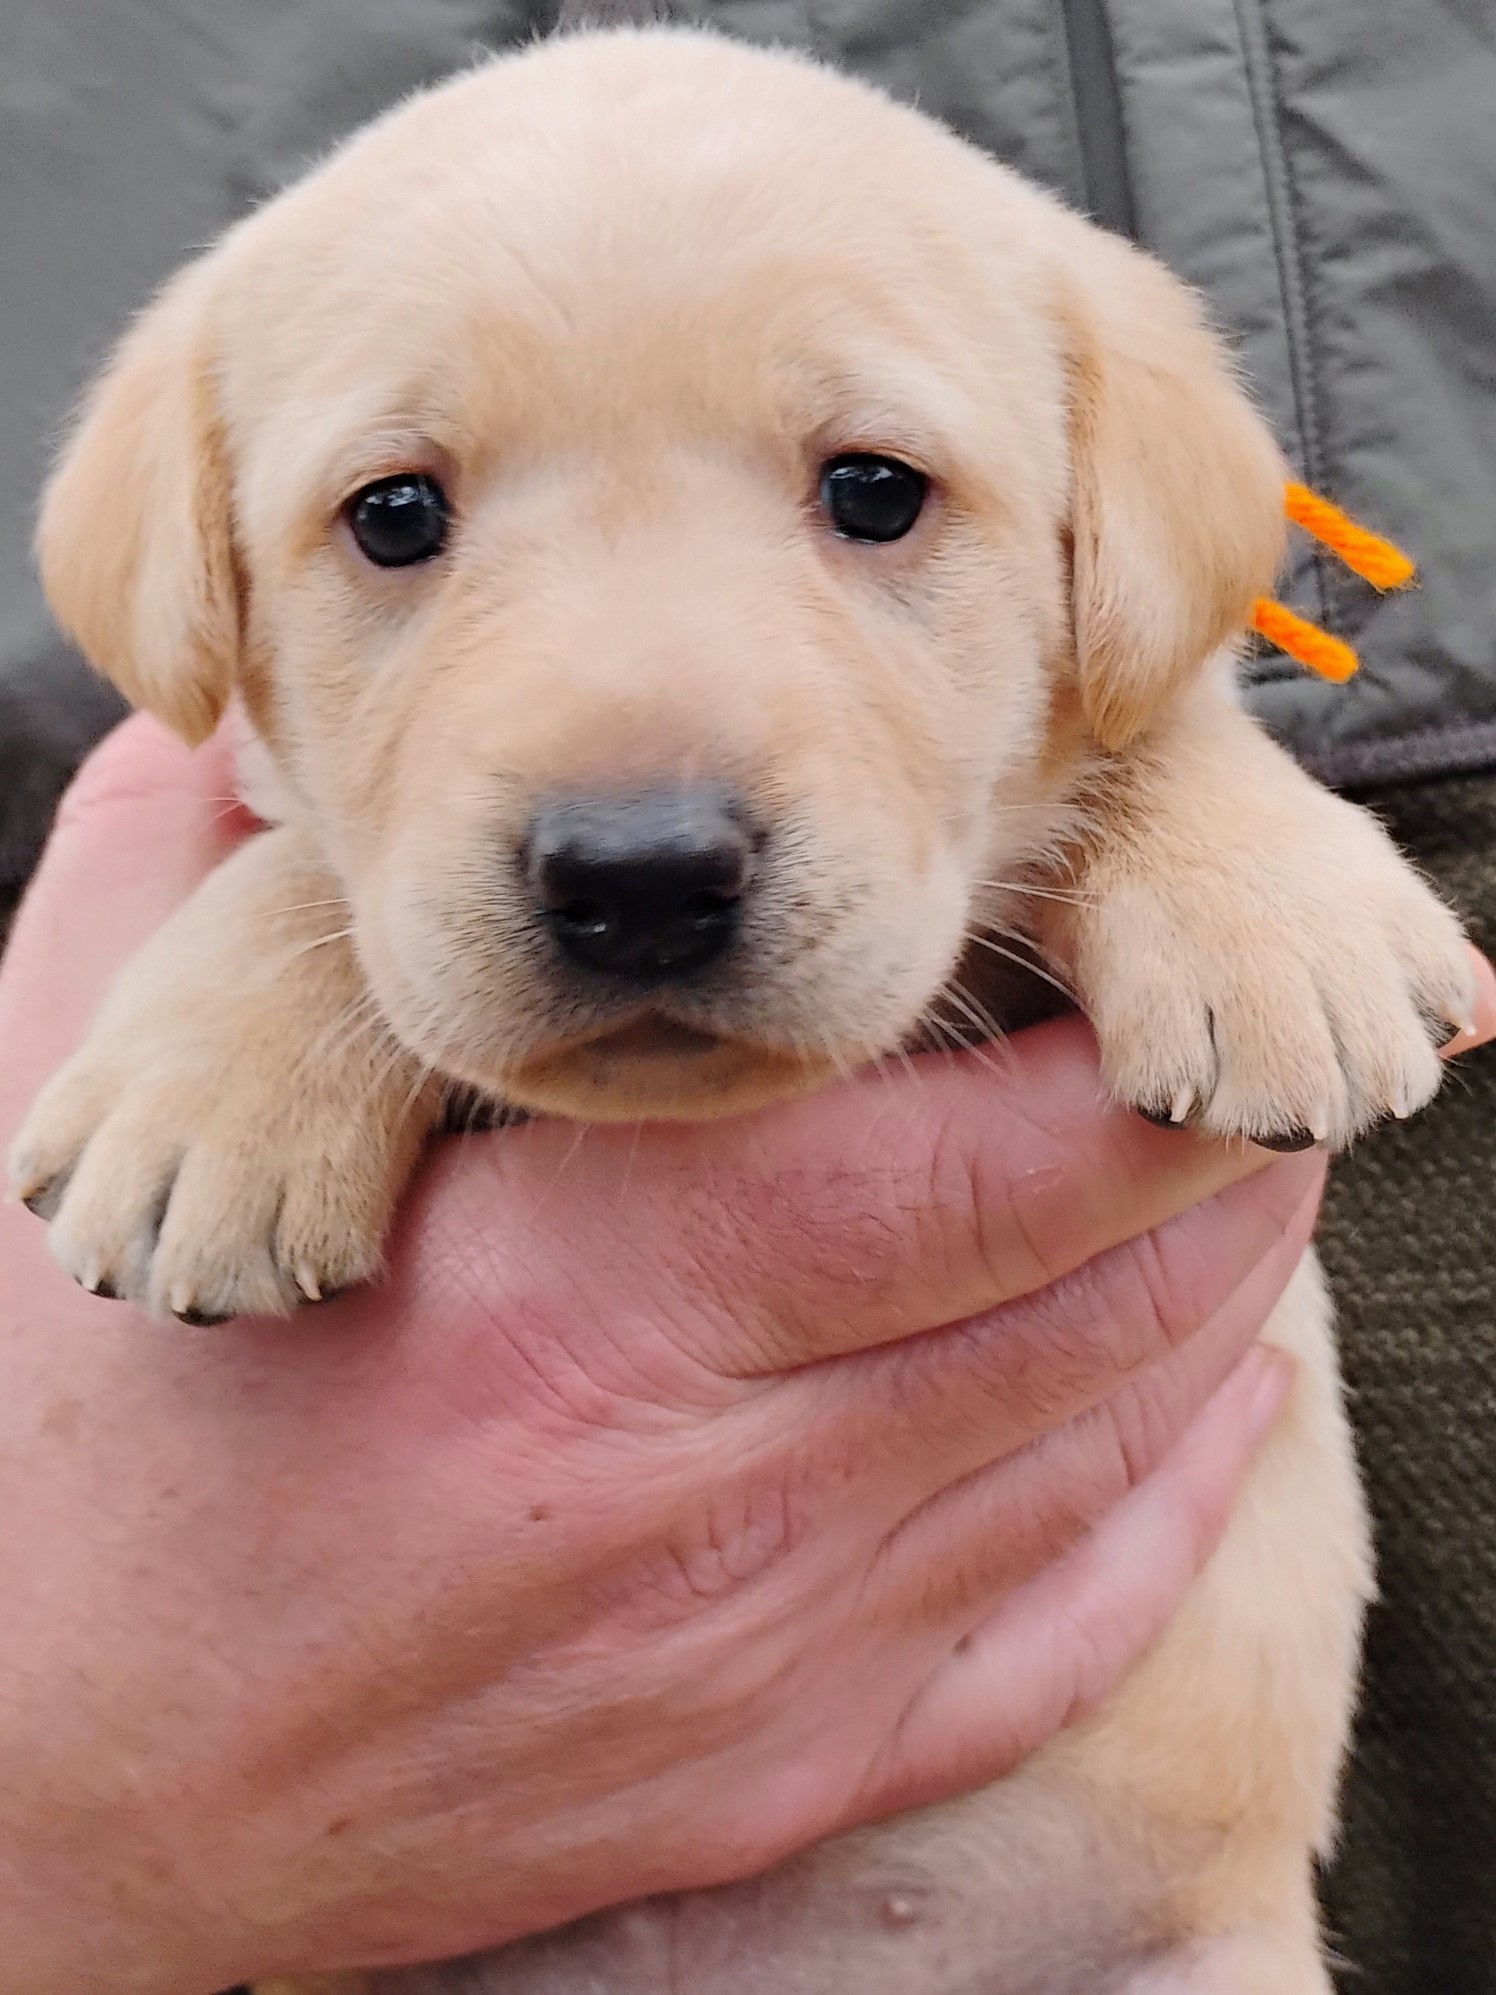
(1292, 992)
(202, 1186)
(193, 1173)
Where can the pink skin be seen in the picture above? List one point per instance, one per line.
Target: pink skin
(684, 1495)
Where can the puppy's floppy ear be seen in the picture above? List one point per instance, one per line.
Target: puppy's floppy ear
(1177, 489)
(135, 539)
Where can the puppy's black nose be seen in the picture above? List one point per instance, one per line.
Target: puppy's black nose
(647, 887)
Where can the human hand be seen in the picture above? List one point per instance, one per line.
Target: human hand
(685, 1494)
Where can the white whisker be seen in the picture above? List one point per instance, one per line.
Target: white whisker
(1027, 891)
(317, 942)
(304, 907)
(1022, 962)
(571, 1150)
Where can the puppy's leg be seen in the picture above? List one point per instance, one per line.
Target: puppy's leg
(1255, 956)
(232, 1135)
(1254, 953)
(1241, 1964)
(1217, 1761)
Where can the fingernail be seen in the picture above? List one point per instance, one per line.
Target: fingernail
(1300, 1175)
(1264, 1378)
(1480, 1027)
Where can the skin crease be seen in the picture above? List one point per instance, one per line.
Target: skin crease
(235, 1544)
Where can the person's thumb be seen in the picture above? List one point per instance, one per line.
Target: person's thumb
(144, 822)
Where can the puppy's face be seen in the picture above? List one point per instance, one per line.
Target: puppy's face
(679, 522)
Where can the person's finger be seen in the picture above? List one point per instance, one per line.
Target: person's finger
(1058, 1646)
(851, 1218)
(951, 1402)
(1483, 1012)
(146, 819)
(980, 1537)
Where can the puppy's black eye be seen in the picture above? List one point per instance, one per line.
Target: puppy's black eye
(399, 521)
(871, 498)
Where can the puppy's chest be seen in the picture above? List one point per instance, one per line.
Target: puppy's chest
(655, 1958)
(963, 1901)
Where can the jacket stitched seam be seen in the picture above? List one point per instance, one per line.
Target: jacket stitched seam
(1057, 58)
(1284, 214)
(1076, 20)
(1425, 754)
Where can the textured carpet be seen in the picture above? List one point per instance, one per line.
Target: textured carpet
(1410, 1244)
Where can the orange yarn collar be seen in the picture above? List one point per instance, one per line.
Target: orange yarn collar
(1366, 554)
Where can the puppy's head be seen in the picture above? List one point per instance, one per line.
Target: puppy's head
(679, 522)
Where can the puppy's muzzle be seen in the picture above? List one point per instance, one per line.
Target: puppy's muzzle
(648, 887)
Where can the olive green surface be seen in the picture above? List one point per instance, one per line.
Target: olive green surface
(1410, 1244)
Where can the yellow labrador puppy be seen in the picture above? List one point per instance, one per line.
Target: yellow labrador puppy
(699, 550)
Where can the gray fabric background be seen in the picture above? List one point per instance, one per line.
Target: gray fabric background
(1324, 169)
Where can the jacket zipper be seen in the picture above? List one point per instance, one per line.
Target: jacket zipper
(1101, 133)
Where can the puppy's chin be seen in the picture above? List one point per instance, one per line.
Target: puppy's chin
(656, 1070)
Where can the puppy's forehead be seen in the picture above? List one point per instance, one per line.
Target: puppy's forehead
(619, 218)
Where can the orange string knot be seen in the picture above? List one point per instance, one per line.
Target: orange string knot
(1365, 553)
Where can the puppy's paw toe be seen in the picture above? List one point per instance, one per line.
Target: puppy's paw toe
(1157, 1043)
(205, 1204)
(102, 1205)
(1286, 1024)
(236, 1242)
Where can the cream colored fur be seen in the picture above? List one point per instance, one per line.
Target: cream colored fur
(622, 295)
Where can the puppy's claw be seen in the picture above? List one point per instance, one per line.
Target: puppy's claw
(307, 1282)
(1403, 1106)
(1289, 1141)
(1159, 1117)
(200, 1319)
(1176, 1115)
(45, 1199)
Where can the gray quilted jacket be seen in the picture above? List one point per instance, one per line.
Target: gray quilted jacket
(1324, 169)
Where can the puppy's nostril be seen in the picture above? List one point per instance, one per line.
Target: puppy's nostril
(646, 887)
(651, 942)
